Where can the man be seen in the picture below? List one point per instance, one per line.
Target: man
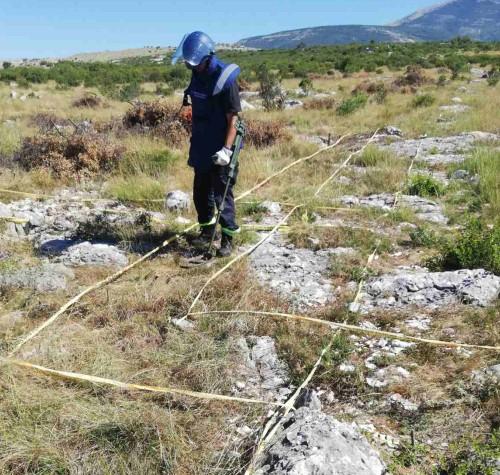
(215, 104)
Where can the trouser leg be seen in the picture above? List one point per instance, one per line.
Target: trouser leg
(203, 198)
(228, 216)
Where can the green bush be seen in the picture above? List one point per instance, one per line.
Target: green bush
(493, 77)
(306, 85)
(424, 185)
(477, 246)
(273, 96)
(423, 100)
(348, 106)
(423, 237)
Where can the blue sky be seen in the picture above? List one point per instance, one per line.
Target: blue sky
(40, 28)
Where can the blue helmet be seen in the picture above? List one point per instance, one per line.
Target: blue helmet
(193, 48)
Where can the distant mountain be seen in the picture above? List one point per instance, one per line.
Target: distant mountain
(479, 19)
(327, 35)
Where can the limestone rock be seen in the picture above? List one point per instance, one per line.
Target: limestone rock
(421, 288)
(43, 278)
(438, 150)
(299, 275)
(93, 254)
(313, 443)
(424, 208)
(177, 201)
(264, 374)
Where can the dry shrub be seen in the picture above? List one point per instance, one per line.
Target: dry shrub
(78, 155)
(368, 87)
(45, 121)
(89, 100)
(243, 85)
(161, 119)
(264, 133)
(412, 77)
(320, 103)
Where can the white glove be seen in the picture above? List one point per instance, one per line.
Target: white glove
(222, 157)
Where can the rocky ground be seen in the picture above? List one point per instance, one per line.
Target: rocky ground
(333, 432)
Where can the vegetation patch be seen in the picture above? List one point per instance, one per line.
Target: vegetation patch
(423, 100)
(477, 246)
(348, 106)
(322, 103)
(264, 133)
(161, 119)
(78, 155)
(424, 185)
(89, 100)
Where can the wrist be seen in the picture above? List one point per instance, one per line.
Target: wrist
(227, 150)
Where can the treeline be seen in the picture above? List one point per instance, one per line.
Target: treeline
(456, 55)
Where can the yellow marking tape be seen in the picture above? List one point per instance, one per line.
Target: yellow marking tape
(352, 328)
(68, 375)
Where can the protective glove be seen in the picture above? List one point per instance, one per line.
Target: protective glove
(222, 157)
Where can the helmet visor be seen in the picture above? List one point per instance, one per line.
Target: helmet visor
(178, 52)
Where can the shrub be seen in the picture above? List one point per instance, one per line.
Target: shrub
(349, 106)
(441, 80)
(306, 85)
(423, 237)
(477, 246)
(161, 119)
(89, 100)
(77, 156)
(412, 77)
(264, 133)
(273, 95)
(493, 77)
(424, 185)
(423, 100)
(320, 103)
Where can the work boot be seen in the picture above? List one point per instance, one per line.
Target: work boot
(226, 246)
(203, 239)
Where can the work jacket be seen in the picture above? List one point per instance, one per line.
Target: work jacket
(206, 90)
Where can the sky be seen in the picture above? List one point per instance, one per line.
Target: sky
(58, 28)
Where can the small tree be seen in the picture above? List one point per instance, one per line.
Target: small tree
(306, 85)
(6, 64)
(273, 95)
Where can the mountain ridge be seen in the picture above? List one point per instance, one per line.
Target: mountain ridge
(479, 19)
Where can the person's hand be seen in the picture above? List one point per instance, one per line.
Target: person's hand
(222, 157)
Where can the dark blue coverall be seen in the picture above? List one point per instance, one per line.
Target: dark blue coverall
(208, 137)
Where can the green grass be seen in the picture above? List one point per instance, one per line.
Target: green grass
(424, 185)
(485, 162)
(10, 139)
(136, 188)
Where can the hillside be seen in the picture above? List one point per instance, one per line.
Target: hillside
(478, 19)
